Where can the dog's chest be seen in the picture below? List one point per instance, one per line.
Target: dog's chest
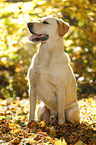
(50, 72)
(51, 67)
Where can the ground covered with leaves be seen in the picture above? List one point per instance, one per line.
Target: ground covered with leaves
(14, 127)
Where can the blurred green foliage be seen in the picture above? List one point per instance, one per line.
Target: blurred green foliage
(16, 52)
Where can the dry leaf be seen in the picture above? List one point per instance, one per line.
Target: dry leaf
(60, 142)
(80, 143)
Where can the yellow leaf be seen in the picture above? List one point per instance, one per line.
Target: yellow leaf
(12, 125)
(60, 142)
(17, 131)
(80, 143)
(42, 123)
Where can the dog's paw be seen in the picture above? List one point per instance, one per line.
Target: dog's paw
(61, 121)
(54, 114)
(30, 119)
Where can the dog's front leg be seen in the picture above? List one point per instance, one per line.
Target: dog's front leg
(61, 106)
(32, 102)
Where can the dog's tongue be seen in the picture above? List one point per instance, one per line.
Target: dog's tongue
(32, 37)
(38, 37)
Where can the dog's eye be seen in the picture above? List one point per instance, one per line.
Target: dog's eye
(45, 22)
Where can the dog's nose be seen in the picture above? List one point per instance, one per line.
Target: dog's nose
(29, 24)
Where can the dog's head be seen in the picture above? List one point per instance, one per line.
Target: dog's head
(47, 28)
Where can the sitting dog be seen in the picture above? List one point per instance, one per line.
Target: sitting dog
(50, 75)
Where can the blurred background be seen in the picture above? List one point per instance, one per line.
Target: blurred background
(16, 52)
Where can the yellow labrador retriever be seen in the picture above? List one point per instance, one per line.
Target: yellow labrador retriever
(50, 75)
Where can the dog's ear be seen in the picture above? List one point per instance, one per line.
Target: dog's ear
(62, 27)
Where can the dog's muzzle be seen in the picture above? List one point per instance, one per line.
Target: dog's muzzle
(36, 37)
(29, 26)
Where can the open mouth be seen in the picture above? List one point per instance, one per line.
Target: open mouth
(38, 37)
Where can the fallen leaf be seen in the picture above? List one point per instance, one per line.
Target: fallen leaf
(42, 123)
(80, 143)
(60, 142)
